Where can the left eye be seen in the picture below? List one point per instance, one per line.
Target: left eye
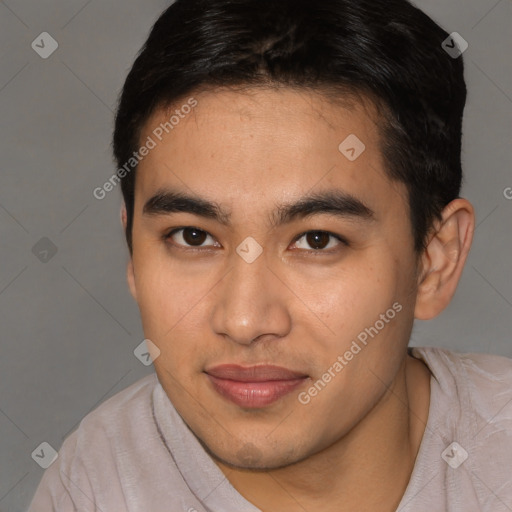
(318, 240)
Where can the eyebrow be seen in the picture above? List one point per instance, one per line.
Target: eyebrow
(334, 202)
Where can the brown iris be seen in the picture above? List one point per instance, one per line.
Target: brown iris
(193, 236)
(317, 239)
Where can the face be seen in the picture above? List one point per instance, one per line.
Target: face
(270, 262)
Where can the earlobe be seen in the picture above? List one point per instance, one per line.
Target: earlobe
(130, 277)
(444, 258)
(123, 216)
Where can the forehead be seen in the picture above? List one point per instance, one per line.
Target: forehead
(246, 149)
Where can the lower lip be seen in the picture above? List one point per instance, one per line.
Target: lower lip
(254, 394)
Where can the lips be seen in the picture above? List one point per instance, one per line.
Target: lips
(253, 373)
(254, 386)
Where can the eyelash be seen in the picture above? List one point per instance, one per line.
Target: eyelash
(168, 235)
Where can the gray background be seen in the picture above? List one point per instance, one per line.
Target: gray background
(69, 325)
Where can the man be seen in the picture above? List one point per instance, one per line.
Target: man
(291, 174)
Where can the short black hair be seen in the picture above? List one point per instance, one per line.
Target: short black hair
(387, 50)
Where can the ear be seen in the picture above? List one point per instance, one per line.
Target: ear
(130, 273)
(443, 259)
(130, 277)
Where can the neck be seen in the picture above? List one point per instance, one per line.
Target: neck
(367, 469)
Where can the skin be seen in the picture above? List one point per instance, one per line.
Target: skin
(353, 445)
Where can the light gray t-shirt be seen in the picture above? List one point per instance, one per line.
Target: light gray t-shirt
(134, 453)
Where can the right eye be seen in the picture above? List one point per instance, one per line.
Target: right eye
(188, 237)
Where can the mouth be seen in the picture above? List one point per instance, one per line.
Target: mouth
(254, 386)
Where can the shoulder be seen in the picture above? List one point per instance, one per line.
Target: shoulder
(469, 425)
(492, 371)
(130, 402)
(474, 392)
(113, 423)
(87, 469)
(122, 424)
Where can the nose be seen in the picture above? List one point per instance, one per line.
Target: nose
(251, 303)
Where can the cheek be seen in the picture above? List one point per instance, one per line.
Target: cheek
(155, 303)
(370, 327)
(172, 304)
(163, 289)
(354, 297)
(364, 360)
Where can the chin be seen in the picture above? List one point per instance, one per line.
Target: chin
(250, 457)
